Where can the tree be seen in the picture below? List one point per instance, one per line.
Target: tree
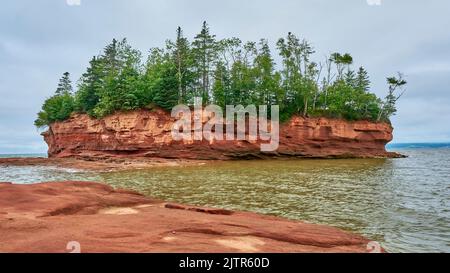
(299, 74)
(86, 98)
(221, 87)
(347, 60)
(121, 69)
(243, 84)
(388, 107)
(341, 61)
(362, 80)
(181, 53)
(289, 73)
(56, 108)
(161, 79)
(59, 107)
(204, 51)
(267, 81)
(327, 80)
(64, 85)
(350, 78)
(165, 89)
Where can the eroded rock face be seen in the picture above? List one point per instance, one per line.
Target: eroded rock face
(46, 217)
(148, 134)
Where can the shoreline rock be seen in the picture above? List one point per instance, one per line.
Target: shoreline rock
(145, 133)
(46, 217)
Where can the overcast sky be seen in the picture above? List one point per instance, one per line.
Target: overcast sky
(39, 40)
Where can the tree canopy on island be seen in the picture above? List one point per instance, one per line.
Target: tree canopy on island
(223, 72)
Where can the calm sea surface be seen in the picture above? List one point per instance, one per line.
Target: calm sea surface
(402, 203)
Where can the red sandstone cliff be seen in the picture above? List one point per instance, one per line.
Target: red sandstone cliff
(146, 133)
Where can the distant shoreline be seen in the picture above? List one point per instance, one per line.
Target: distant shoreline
(418, 145)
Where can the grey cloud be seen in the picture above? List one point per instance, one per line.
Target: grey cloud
(39, 40)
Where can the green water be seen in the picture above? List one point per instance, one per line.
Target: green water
(402, 203)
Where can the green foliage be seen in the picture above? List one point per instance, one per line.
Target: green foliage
(362, 81)
(58, 107)
(221, 88)
(64, 85)
(182, 57)
(121, 67)
(204, 50)
(388, 107)
(86, 98)
(225, 72)
(165, 88)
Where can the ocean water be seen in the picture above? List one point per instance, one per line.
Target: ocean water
(22, 155)
(402, 203)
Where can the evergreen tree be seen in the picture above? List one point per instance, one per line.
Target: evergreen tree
(64, 85)
(161, 77)
(267, 81)
(165, 89)
(362, 80)
(58, 107)
(182, 57)
(86, 98)
(350, 78)
(204, 51)
(221, 87)
(121, 72)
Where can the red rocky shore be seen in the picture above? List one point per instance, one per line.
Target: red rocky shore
(46, 217)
